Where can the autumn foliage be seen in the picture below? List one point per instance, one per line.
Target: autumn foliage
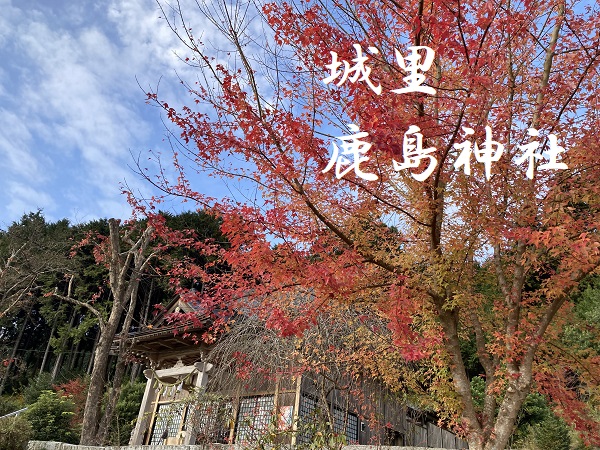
(453, 258)
(76, 390)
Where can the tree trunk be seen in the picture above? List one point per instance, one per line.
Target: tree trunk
(61, 352)
(135, 371)
(13, 354)
(91, 362)
(47, 351)
(147, 303)
(113, 397)
(115, 392)
(136, 368)
(485, 432)
(97, 380)
(125, 269)
(57, 364)
(74, 355)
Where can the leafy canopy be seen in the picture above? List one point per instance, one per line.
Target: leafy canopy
(491, 256)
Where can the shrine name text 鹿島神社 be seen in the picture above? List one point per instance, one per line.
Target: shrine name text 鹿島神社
(352, 150)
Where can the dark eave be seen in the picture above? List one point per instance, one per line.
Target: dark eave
(164, 338)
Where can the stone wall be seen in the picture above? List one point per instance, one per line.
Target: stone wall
(44, 445)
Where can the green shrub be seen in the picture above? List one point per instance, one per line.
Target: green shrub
(76, 390)
(478, 392)
(15, 432)
(10, 404)
(51, 417)
(552, 433)
(126, 412)
(43, 382)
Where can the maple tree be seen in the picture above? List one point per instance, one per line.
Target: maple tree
(491, 254)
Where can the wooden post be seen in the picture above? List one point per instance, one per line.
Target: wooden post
(142, 421)
(296, 416)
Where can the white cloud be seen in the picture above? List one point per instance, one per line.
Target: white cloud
(150, 47)
(6, 20)
(24, 198)
(16, 156)
(77, 109)
(73, 102)
(71, 107)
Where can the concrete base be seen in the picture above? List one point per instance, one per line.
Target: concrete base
(47, 445)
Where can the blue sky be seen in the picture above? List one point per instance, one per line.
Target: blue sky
(71, 109)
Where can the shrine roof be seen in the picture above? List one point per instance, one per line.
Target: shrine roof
(164, 340)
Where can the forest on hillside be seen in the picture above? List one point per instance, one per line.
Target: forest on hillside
(57, 300)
